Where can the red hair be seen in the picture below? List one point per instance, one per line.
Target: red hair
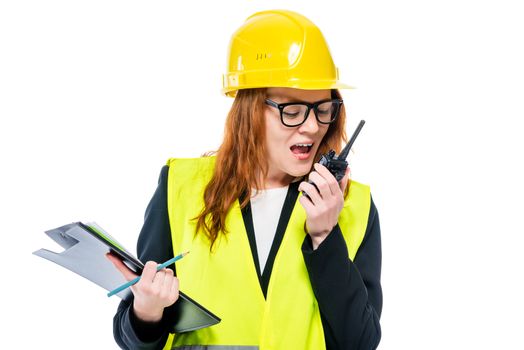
(241, 162)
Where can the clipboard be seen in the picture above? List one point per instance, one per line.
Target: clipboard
(86, 246)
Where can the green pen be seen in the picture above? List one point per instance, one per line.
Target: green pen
(135, 280)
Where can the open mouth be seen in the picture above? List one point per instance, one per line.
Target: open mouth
(301, 150)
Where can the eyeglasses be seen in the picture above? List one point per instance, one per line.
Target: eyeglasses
(295, 113)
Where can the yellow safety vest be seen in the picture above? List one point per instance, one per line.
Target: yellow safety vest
(226, 281)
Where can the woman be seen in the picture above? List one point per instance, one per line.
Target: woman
(281, 269)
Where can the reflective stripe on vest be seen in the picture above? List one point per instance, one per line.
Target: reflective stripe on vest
(226, 282)
(214, 347)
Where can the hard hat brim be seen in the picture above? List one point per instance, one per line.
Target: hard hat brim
(311, 85)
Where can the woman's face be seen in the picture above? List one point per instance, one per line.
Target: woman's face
(288, 158)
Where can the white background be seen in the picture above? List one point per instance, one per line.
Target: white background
(96, 95)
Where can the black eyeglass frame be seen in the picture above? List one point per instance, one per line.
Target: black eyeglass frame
(280, 106)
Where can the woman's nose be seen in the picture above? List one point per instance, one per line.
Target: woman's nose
(311, 123)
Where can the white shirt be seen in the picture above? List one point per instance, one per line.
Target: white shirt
(266, 207)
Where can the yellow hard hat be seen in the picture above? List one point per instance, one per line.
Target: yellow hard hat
(279, 48)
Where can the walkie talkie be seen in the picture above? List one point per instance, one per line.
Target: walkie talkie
(337, 164)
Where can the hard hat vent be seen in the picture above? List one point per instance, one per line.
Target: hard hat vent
(262, 56)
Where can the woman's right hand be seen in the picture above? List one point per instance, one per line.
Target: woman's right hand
(155, 291)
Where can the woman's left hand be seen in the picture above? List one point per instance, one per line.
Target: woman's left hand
(323, 206)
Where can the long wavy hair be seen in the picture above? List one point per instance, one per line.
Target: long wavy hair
(241, 161)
